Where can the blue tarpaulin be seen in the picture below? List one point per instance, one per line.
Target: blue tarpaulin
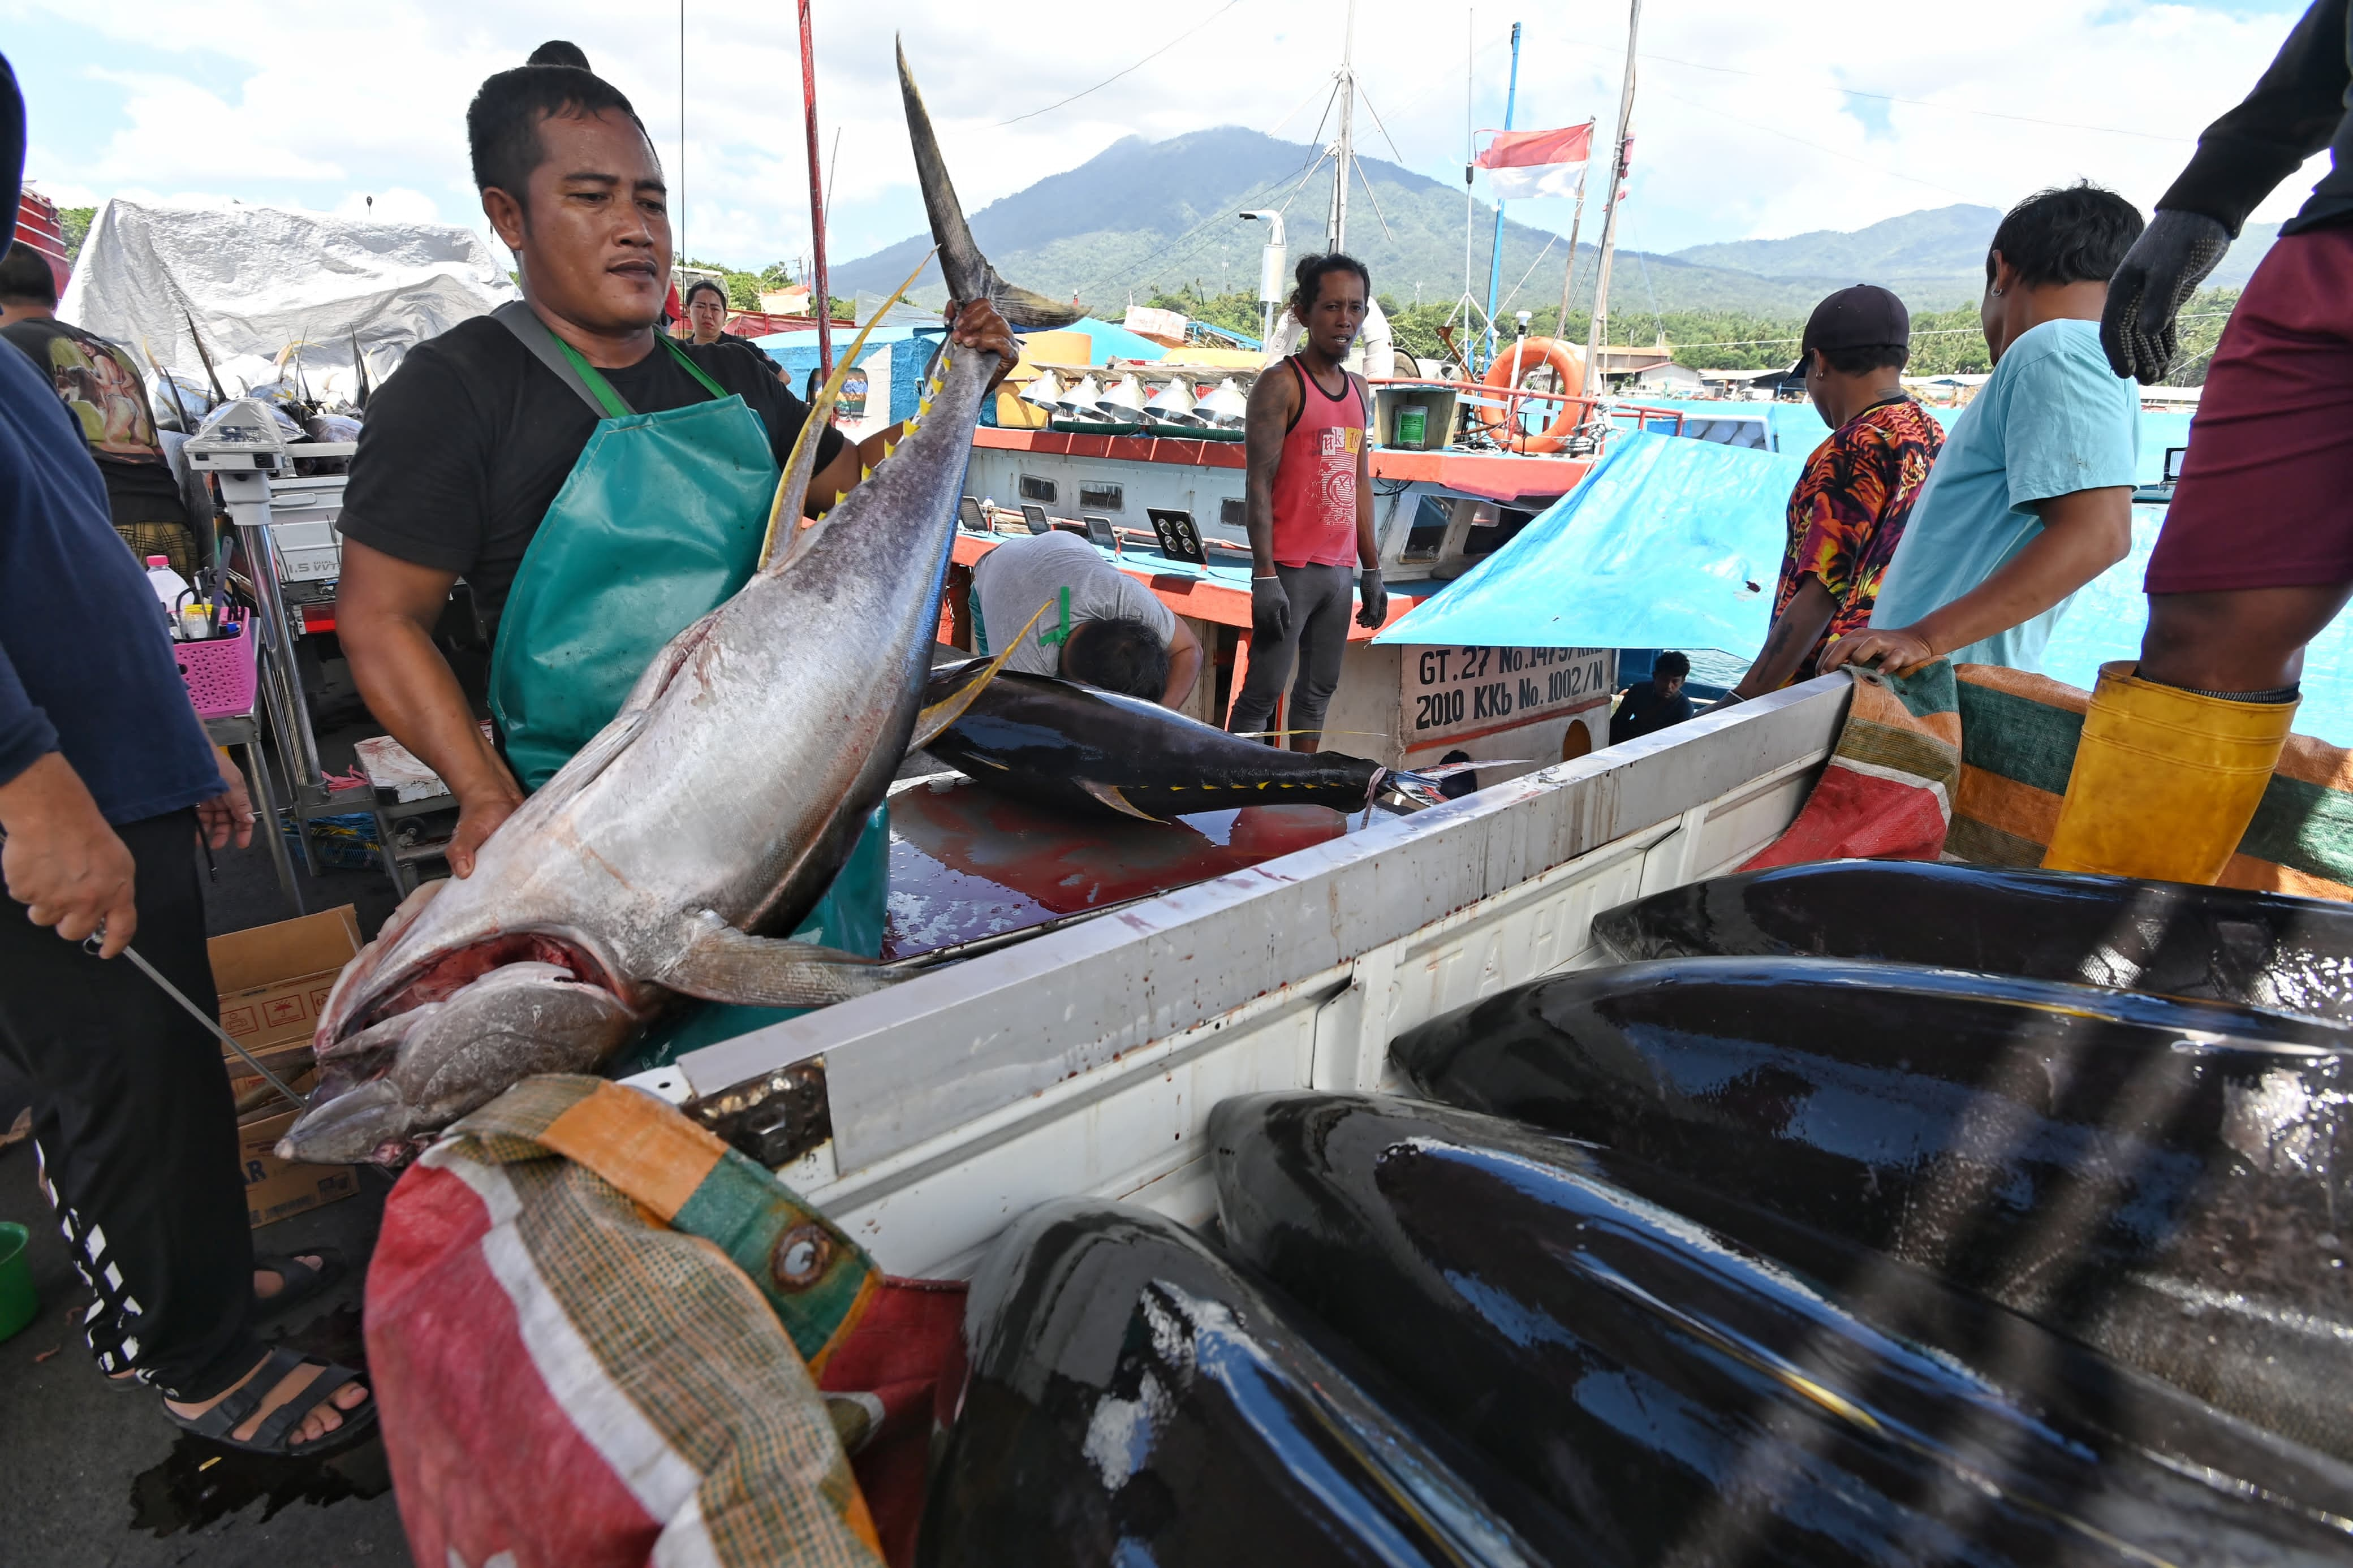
(1667, 544)
(796, 354)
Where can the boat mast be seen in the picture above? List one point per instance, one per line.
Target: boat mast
(818, 301)
(1597, 332)
(1336, 231)
(1470, 153)
(1576, 221)
(1496, 251)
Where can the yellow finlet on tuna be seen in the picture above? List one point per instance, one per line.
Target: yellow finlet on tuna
(792, 485)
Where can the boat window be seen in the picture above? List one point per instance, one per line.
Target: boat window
(1231, 513)
(1491, 531)
(1103, 498)
(1431, 519)
(1035, 489)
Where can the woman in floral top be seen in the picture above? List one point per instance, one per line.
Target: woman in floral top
(1847, 510)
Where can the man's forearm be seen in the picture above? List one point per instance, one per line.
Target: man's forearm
(2054, 563)
(412, 692)
(1801, 626)
(1258, 521)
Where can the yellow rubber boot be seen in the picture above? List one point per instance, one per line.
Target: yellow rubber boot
(2166, 781)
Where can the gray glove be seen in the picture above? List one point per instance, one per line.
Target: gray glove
(2164, 267)
(1270, 609)
(1376, 597)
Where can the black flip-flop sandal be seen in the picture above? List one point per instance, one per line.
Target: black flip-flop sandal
(298, 1281)
(270, 1438)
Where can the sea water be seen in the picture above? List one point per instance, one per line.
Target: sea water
(2108, 617)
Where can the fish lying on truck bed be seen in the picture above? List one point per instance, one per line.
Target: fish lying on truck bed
(2168, 1182)
(1137, 1399)
(2215, 944)
(1687, 1398)
(1048, 741)
(715, 808)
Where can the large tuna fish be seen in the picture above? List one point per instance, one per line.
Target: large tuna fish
(1053, 742)
(1689, 1399)
(2169, 1181)
(2219, 945)
(715, 808)
(1134, 1399)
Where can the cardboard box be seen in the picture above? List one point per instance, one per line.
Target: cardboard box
(275, 1188)
(273, 980)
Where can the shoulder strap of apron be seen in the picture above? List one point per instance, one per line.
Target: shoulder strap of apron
(575, 371)
(563, 359)
(693, 369)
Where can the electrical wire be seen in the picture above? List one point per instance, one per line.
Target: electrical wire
(1139, 65)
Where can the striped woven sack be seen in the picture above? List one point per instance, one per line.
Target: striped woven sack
(2018, 746)
(1887, 790)
(598, 1337)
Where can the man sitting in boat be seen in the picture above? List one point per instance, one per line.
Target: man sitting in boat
(1308, 504)
(1847, 510)
(1654, 704)
(1101, 626)
(2031, 497)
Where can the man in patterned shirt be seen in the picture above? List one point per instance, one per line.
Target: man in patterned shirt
(1848, 506)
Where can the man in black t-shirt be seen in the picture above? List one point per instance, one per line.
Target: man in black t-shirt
(1654, 705)
(102, 389)
(471, 443)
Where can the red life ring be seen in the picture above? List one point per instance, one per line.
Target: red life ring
(1567, 363)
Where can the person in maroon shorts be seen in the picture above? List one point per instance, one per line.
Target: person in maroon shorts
(2256, 554)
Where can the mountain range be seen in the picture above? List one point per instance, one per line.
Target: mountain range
(1141, 216)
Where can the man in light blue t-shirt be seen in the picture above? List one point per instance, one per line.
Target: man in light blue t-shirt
(2031, 497)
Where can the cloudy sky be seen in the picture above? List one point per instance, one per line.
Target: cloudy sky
(1752, 120)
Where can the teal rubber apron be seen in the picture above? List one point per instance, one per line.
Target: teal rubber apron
(658, 524)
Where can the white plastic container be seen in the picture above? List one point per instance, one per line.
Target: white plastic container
(168, 585)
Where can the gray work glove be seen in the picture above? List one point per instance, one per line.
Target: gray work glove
(1270, 609)
(2164, 267)
(1376, 598)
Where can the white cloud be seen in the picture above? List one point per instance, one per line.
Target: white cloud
(1743, 121)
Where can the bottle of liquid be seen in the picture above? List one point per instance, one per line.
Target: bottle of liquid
(168, 585)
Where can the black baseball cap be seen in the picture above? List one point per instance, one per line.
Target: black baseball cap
(1863, 317)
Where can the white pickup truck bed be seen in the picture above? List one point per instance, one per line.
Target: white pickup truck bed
(1086, 1060)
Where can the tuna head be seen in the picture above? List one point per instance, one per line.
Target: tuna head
(388, 1089)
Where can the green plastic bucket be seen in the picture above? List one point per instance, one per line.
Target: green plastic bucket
(17, 1303)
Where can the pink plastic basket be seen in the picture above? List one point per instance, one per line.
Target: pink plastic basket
(220, 671)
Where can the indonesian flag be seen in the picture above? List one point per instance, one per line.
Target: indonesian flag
(1524, 163)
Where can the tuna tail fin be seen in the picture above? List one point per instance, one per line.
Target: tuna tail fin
(1416, 791)
(936, 717)
(969, 275)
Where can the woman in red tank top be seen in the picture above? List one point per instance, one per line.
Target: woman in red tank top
(1308, 507)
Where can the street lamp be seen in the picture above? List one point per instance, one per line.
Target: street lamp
(1273, 264)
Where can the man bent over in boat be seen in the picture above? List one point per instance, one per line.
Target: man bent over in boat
(1101, 626)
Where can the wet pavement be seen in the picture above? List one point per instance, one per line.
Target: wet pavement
(96, 1475)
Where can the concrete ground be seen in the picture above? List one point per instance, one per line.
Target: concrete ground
(98, 1477)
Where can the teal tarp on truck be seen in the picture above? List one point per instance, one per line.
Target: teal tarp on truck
(1668, 543)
